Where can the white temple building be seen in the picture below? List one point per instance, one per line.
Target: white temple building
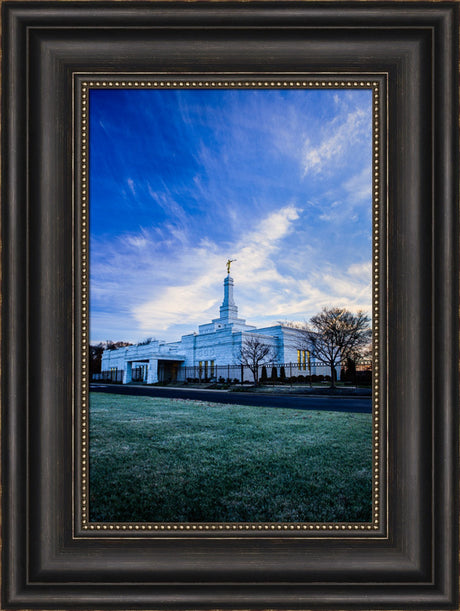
(209, 353)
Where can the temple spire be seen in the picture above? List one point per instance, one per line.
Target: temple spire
(228, 309)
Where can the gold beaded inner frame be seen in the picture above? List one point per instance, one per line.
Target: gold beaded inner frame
(82, 526)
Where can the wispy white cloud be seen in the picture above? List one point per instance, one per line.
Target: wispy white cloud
(358, 188)
(337, 139)
(160, 296)
(196, 295)
(350, 200)
(362, 270)
(131, 186)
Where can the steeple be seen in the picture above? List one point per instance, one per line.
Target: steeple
(228, 320)
(228, 309)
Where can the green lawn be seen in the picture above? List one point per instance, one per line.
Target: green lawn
(173, 460)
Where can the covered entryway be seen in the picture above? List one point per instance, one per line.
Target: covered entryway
(167, 370)
(136, 371)
(152, 370)
(139, 372)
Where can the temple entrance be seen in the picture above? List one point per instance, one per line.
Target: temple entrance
(139, 372)
(167, 371)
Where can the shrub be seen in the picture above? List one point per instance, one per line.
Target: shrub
(263, 375)
(274, 373)
(282, 374)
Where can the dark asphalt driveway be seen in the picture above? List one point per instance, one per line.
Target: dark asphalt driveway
(309, 402)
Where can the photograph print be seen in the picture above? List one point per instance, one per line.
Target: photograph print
(230, 286)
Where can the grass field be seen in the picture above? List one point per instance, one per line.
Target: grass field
(173, 460)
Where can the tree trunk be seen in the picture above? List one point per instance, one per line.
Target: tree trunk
(332, 376)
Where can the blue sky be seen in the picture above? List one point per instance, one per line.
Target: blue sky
(181, 180)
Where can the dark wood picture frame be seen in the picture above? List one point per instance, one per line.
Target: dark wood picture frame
(414, 564)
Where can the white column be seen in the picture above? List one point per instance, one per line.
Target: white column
(128, 373)
(152, 374)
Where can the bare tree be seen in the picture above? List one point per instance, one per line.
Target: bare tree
(253, 353)
(336, 334)
(333, 335)
(364, 353)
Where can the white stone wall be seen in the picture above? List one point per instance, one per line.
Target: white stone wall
(219, 347)
(113, 358)
(223, 347)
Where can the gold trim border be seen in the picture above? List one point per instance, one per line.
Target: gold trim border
(221, 81)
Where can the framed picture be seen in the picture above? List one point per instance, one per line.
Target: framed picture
(194, 179)
(151, 149)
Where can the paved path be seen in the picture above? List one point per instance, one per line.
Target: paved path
(313, 402)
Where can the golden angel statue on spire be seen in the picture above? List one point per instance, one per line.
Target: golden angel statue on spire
(229, 262)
